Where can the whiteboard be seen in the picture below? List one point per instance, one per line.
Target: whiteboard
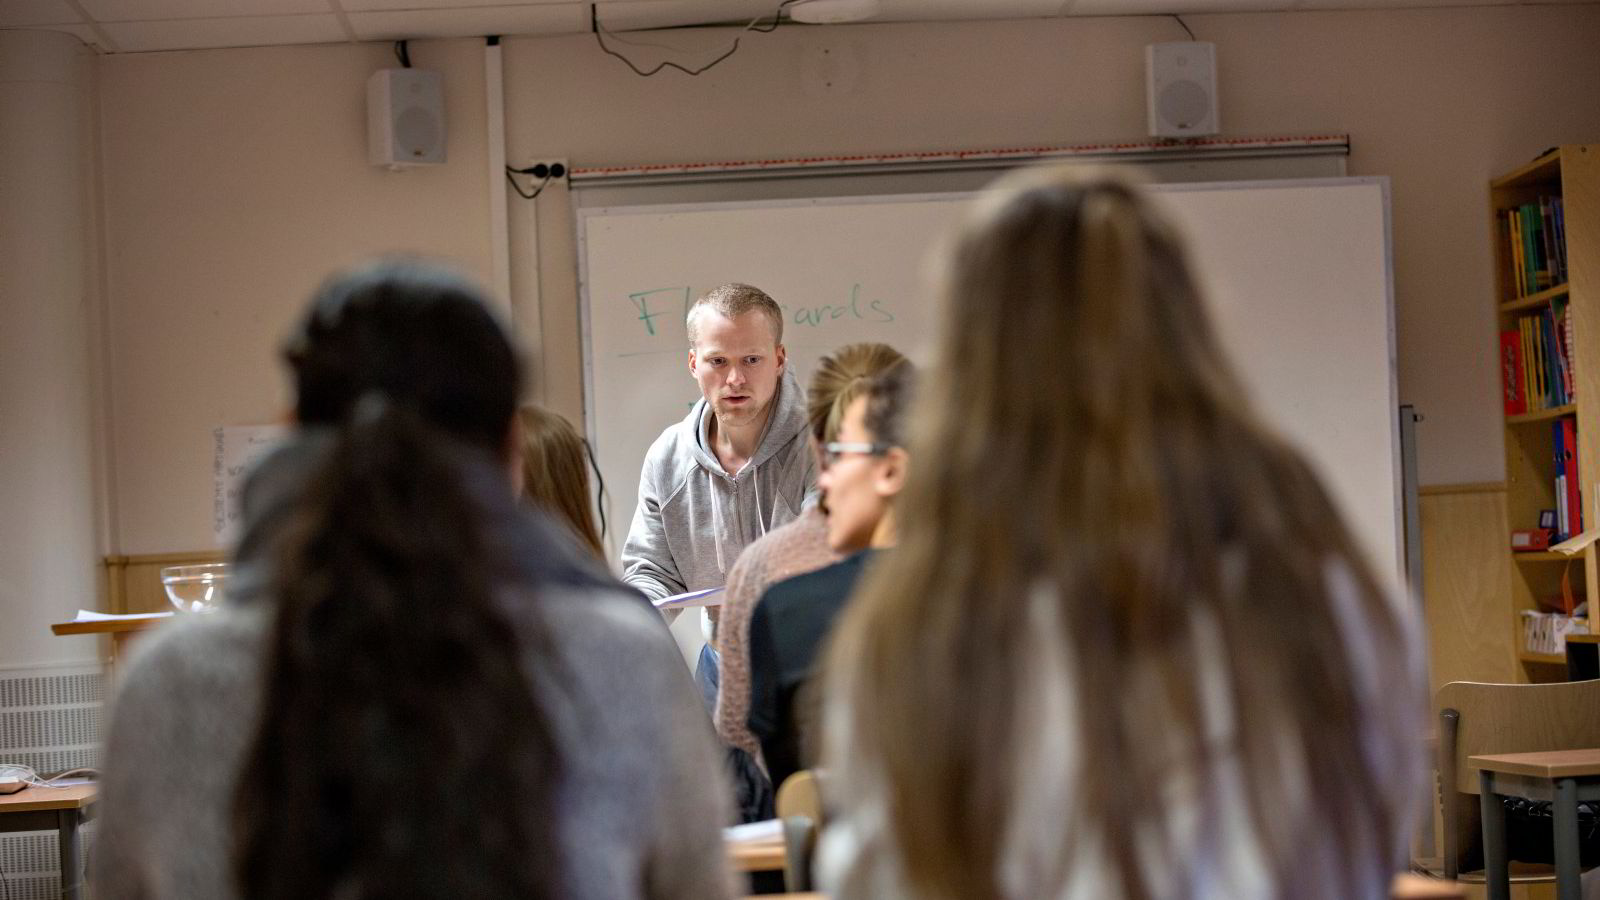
(1297, 275)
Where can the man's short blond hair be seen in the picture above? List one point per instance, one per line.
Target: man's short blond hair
(733, 300)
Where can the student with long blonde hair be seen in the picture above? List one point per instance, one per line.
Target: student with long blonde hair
(555, 473)
(1127, 647)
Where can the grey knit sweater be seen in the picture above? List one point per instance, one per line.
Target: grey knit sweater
(640, 805)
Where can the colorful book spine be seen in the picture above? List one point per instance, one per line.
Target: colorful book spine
(1516, 397)
(1519, 277)
(1569, 470)
(1525, 336)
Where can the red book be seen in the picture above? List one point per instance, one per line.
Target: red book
(1569, 447)
(1516, 397)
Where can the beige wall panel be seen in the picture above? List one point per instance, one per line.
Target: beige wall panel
(235, 180)
(1466, 571)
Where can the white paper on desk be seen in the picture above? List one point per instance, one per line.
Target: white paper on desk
(751, 832)
(707, 597)
(89, 615)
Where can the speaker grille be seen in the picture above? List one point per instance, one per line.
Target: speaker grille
(1184, 104)
(416, 131)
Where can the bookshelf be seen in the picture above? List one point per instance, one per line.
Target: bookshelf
(1546, 225)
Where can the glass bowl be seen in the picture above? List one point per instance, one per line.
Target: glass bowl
(195, 588)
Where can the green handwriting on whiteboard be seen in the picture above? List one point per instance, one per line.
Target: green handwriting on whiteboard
(864, 310)
(655, 302)
(675, 301)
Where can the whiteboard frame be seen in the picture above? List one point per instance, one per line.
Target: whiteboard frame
(1382, 183)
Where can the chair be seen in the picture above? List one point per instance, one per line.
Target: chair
(799, 807)
(1476, 719)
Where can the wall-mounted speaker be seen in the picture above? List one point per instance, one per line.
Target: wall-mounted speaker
(405, 118)
(1181, 88)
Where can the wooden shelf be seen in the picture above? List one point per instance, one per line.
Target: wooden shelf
(1546, 659)
(1543, 415)
(1532, 301)
(1571, 172)
(1545, 168)
(1542, 556)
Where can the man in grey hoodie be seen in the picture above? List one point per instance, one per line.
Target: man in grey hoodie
(735, 468)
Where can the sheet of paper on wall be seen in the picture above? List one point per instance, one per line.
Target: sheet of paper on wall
(237, 449)
(707, 597)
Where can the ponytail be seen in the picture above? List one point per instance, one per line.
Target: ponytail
(401, 751)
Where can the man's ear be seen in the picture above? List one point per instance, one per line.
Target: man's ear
(783, 357)
(891, 475)
(692, 363)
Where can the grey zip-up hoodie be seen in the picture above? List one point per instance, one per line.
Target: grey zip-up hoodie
(693, 518)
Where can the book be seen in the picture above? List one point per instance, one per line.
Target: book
(1516, 399)
(1525, 336)
(1569, 469)
(1519, 278)
(1558, 452)
(1541, 266)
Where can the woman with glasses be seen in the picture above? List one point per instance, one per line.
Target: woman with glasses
(413, 689)
(1126, 647)
(864, 469)
(793, 549)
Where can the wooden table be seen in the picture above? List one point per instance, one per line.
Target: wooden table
(1406, 887)
(121, 630)
(61, 810)
(1561, 776)
(764, 855)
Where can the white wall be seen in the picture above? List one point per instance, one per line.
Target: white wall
(236, 178)
(48, 444)
(235, 181)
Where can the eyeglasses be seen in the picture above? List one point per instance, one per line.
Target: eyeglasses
(832, 450)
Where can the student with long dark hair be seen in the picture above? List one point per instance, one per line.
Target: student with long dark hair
(413, 690)
(1126, 647)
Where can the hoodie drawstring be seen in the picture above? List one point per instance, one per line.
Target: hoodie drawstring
(761, 517)
(716, 521)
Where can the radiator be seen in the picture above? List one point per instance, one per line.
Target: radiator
(50, 719)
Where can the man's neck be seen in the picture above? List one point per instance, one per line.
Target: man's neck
(734, 446)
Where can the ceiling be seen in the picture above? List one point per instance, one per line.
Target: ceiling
(135, 26)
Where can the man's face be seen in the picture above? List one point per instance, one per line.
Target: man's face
(737, 363)
(854, 485)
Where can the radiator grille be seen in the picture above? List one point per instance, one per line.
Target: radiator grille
(51, 722)
(52, 690)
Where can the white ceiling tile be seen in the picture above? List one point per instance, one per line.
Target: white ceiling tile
(247, 31)
(643, 15)
(564, 18)
(424, 5)
(37, 12)
(1310, 5)
(1173, 7)
(150, 10)
(958, 10)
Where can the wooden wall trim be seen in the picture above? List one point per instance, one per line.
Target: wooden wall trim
(133, 583)
(1472, 487)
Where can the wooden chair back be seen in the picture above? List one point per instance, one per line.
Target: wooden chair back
(1476, 719)
(799, 808)
(801, 795)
